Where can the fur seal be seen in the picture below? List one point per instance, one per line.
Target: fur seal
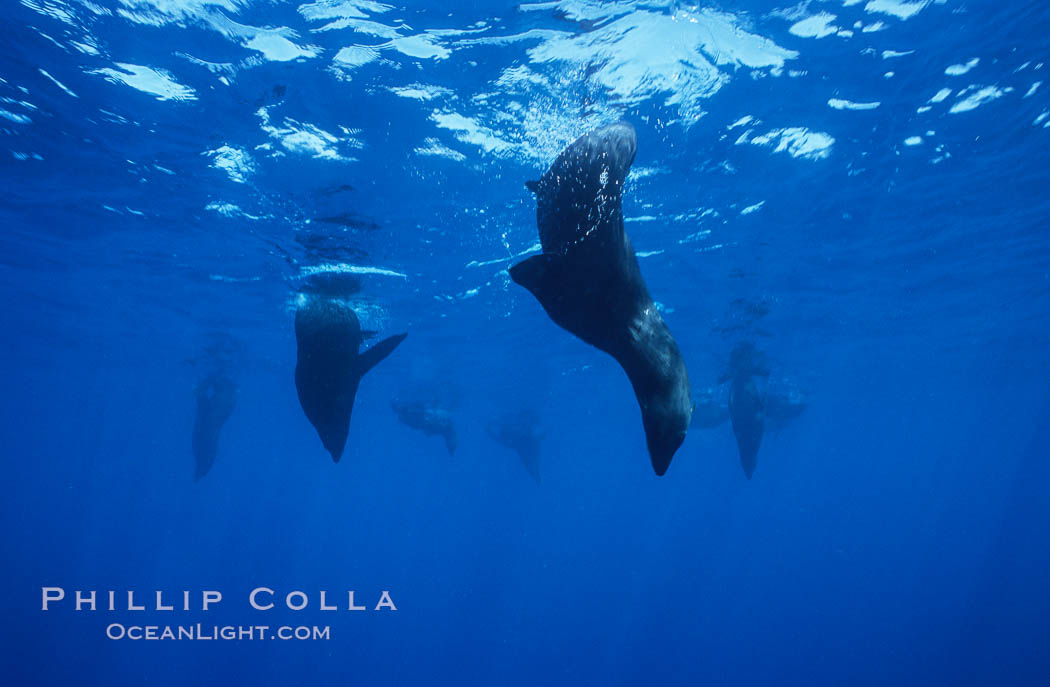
(781, 408)
(747, 410)
(429, 418)
(216, 396)
(329, 367)
(588, 281)
(519, 434)
(747, 414)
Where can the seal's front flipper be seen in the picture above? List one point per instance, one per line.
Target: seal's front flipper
(537, 274)
(372, 357)
(533, 186)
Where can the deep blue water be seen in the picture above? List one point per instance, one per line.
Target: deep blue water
(859, 188)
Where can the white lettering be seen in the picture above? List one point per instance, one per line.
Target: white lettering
(49, 595)
(133, 607)
(256, 591)
(160, 604)
(300, 595)
(81, 599)
(386, 601)
(210, 597)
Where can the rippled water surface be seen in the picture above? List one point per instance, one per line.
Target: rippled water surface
(857, 187)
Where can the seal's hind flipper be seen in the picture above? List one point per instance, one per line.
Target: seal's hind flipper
(536, 274)
(372, 357)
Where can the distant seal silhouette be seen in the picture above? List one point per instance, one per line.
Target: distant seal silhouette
(519, 434)
(588, 281)
(329, 368)
(427, 417)
(747, 411)
(216, 397)
(781, 408)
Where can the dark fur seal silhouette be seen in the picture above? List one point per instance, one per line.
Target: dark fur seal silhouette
(588, 280)
(216, 397)
(429, 418)
(747, 414)
(746, 403)
(518, 433)
(781, 408)
(329, 367)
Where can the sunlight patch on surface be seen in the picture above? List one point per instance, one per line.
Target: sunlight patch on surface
(342, 9)
(817, 26)
(433, 146)
(941, 95)
(166, 11)
(156, 82)
(419, 91)
(960, 69)
(645, 54)
(643, 172)
(468, 130)
(14, 117)
(531, 34)
(978, 97)
(839, 104)
(365, 26)
(274, 44)
(54, 9)
(236, 162)
(57, 83)
(587, 10)
(346, 268)
(350, 58)
(420, 46)
(308, 139)
(277, 48)
(797, 141)
(896, 8)
(229, 210)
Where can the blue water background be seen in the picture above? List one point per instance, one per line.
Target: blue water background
(897, 532)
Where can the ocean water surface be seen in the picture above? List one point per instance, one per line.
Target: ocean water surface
(857, 188)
